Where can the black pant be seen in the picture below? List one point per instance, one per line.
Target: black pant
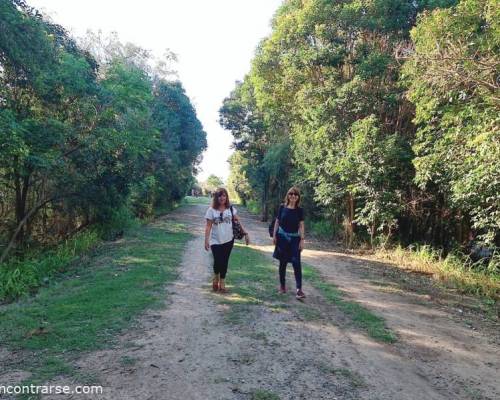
(221, 254)
(297, 270)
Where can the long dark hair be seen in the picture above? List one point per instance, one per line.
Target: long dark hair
(293, 189)
(215, 198)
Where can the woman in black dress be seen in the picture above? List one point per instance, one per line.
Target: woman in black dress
(288, 239)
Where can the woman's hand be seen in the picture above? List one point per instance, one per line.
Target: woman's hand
(247, 239)
(275, 241)
(208, 228)
(301, 244)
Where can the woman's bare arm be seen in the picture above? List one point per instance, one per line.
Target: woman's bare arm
(208, 228)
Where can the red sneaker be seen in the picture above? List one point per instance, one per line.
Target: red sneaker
(215, 286)
(282, 289)
(300, 294)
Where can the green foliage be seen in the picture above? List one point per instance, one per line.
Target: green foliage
(120, 220)
(20, 277)
(383, 112)
(261, 164)
(254, 207)
(81, 142)
(84, 310)
(237, 183)
(182, 140)
(214, 182)
(323, 229)
(454, 269)
(373, 166)
(453, 80)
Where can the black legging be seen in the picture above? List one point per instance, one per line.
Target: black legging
(297, 270)
(221, 254)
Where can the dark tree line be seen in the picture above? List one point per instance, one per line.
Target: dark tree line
(385, 113)
(87, 133)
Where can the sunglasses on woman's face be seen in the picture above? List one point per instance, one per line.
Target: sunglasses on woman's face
(293, 194)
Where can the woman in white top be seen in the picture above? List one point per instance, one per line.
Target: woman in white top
(219, 235)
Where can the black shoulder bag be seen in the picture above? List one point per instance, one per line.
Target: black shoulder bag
(273, 221)
(238, 231)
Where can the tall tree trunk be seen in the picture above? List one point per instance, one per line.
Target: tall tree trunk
(349, 223)
(22, 188)
(265, 206)
(372, 233)
(20, 227)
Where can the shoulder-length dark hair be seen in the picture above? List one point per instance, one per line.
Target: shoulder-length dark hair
(293, 189)
(215, 198)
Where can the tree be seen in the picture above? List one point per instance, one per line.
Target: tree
(212, 183)
(82, 143)
(325, 94)
(183, 139)
(48, 94)
(453, 82)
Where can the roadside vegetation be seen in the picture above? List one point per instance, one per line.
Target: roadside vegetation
(94, 133)
(253, 282)
(385, 114)
(86, 306)
(478, 278)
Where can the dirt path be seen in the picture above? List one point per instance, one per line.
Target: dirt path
(188, 351)
(437, 354)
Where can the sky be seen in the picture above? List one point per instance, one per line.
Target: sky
(214, 40)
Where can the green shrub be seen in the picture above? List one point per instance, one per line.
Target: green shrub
(19, 277)
(456, 269)
(323, 229)
(254, 207)
(121, 220)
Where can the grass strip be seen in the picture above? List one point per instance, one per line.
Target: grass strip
(86, 309)
(253, 278)
(361, 317)
(454, 270)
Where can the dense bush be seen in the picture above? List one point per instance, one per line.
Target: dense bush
(384, 113)
(87, 132)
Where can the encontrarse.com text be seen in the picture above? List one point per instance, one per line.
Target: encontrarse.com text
(49, 389)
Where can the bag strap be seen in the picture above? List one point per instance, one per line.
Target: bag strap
(232, 215)
(280, 211)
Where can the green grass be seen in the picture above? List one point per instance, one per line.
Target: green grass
(252, 281)
(191, 200)
(260, 394)
(128, 361)
(252, 278)
(454, 270)
(21, 277)
(360, 316)
(85, 309)
(354, 379)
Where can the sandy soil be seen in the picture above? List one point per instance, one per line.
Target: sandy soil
(187, 350)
